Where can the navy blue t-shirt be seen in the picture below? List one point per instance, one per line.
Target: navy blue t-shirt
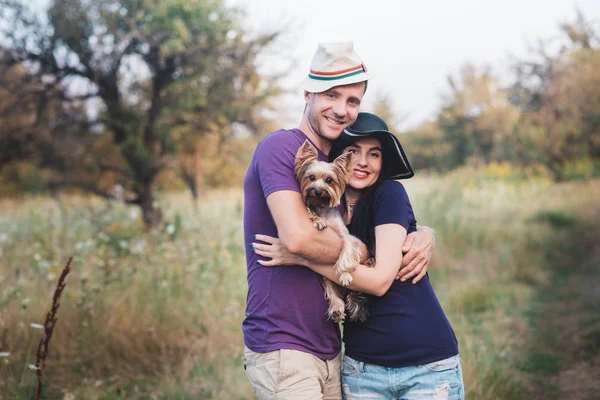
(406, 326)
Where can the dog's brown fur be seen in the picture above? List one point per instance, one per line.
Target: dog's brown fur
(322, 186)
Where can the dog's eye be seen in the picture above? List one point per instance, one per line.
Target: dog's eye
(312, 177)
(329, 181)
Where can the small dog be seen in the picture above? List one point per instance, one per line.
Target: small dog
(322, 186)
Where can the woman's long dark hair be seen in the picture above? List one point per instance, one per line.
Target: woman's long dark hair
(362, 224)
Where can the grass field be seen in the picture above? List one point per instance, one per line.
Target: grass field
(157, 314)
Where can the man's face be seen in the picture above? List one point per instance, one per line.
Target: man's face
(330, 112)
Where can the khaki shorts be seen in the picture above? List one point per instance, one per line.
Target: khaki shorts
(293, 375)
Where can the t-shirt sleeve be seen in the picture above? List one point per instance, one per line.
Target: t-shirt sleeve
(392, 206)
(274, 165)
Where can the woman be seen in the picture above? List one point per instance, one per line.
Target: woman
(406, 348)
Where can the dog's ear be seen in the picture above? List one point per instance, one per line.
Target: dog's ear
(305, 155)
(343, 161)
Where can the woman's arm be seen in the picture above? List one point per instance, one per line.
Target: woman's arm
(375, 281)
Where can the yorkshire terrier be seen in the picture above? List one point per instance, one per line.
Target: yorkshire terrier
(322, 186)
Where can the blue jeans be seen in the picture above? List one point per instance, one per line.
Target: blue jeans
(437, 380)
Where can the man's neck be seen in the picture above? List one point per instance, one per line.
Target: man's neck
(322, 144)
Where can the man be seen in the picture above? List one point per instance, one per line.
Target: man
(292, 351)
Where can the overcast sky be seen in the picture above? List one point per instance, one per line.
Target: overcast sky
(413, 45)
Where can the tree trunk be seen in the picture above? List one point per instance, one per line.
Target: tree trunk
(197, 176)
(152, 216)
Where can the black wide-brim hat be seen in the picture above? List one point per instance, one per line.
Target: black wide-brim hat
(370, 125)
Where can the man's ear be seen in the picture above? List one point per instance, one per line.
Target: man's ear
(305, 155)
(307, 96)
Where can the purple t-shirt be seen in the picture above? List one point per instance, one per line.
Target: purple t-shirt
(285, 306)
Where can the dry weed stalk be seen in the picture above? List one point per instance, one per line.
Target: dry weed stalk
(49, 323)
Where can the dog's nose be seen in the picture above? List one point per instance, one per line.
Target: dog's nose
(318, 193)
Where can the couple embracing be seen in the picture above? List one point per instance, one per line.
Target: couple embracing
(405, 348)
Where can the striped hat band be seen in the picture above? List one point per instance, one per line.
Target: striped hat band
(341, 74)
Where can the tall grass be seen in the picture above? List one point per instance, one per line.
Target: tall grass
(490, 261)
(157, 314)
(146, 313)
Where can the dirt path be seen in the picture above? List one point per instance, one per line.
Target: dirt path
(562, 358)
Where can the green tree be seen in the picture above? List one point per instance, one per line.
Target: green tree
(426, 147)
(233, 105)
(126, 73)
(478, 121)
(559, 95)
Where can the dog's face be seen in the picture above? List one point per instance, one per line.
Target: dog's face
(321, 183)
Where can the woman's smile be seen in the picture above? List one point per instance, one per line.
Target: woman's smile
(360, 174)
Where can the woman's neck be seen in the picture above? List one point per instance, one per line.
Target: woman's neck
(351, 196)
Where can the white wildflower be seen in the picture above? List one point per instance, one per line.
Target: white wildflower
(33, 367)
(3, 238)
(138, 246)
(50, 277)
(4, 353)
(36, 326)
(37, 257)
(232, 35)
(117, 192)
(170, 229)
(123, 244)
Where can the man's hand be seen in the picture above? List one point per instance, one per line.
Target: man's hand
(418, 249)
(275, 250)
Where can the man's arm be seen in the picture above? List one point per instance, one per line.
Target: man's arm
(365, 279)
(375, 281)
(296, 231)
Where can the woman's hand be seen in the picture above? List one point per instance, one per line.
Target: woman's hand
(276, 251)
(418, 247)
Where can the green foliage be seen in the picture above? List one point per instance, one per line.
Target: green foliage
(547, 116)
(544, 363)
(471, 300)
(582, 169)
(158, 312)
(163, 75)
(189, 284)
(556, 218)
